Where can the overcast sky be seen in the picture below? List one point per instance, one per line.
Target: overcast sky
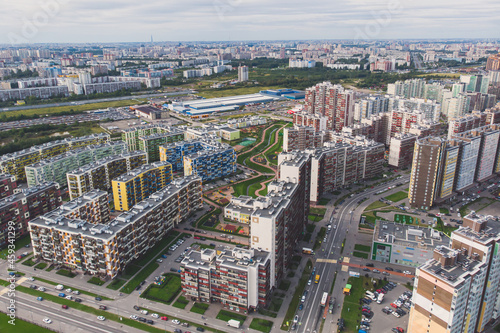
(39, 21)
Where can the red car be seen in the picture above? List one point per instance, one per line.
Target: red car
(400, 329)
(394, 305)
(164, 318)
(64, 306)
(196, 237)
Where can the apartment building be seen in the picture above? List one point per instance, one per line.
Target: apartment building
(106, 247)
(174, 153)
(38, 92)
(424, 179)
(458, 290)
(24, 206)
(401, 150)
(466, 123)
(214, 161)
(14, 163)
(151, 143)
(333, 102)
(98, 175)
(493, 62)
(55, 168)
(316, 121)
(303, 137)
(8, 185)
(138, 184)
(131, 135)
(246, 122)
(239, 279)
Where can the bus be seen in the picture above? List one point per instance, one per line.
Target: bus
(316, 280)
(306, 250)
(324, 299)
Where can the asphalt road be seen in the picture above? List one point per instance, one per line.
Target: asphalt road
(25, 107)
(346, 214)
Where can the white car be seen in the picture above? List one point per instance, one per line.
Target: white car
(175, 321)
(69, 290)
(296, 319)
(407, 272)
(159, 260)
(31, 279)
(76, 292)
(155, 315)
(102, 318)
(41, 288)
(47, 321)
(69, 297)
(134, 317)
(144, 312)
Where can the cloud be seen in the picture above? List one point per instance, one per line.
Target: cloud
(127, 20)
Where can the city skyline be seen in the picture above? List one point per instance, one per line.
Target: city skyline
(62, 21)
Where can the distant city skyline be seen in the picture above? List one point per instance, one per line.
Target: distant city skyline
(62, 21)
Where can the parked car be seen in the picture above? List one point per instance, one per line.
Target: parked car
(369, 264)
(102, 318)
(136, 307)
(64, 306)
(61, 295)
(39, 298)
(78, 300)
(164, 318)
(103, 307)
(155, 315)
(98, 299)
(47, 321)
(175, 321)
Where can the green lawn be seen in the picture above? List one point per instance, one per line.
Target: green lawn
(363, 248)
(199, 308)
(212, 93)
(181, 302)
(165, 293)
(323, 202)
(227, 315)
(20, 326)
(29, 262)
(19, 243)
(376, 205)
(65, 272)
(141, 276)
(443, 210)
(360, 254)
(241, 188)
(275, 304)
(261, 325)
(95, 280)
(351, 310)
(319, 238)
(284, 285)
(317, 211)
(116, 284)
(294, 303)
(314, 218)
(41, 265)
(398, 196)
(252, 189)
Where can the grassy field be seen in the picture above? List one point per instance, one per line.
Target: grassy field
(116, 284)
(252, 189)
(398, 196)
(360, 255)
(363, 248)
(444, 210)
(261, 325)
(351, 311)
(241, 188)
(181, 303)
(227, 315)
(323, 201)
(165, 293)
(20, 243)
(82, 107)
(95, 280)
(199, 308)
(20, 326)
(376, 205)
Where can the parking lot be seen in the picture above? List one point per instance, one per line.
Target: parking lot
(382, 322)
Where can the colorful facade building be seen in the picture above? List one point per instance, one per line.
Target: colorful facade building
(26, 205)
(8, 185)
(239, 279)
(14, 163)
(138, 184)
(150, 144)
(55, 168)
(99, 175)
(96, 244)
(216, 160)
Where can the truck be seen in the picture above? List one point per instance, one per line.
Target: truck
(316, 279)
(306, 250)
(234, 323)
(380, 298)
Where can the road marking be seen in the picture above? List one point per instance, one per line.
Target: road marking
(331, 261)
(347, 259)
(21, 280)
(345, 268)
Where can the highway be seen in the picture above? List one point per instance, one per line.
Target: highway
(39, 106)
(346, 214)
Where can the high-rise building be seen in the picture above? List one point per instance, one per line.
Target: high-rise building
(98, 175)
(242, 73)
(138, 184)
(493, 62)
(302, 137)
(215, 160)
(315, 121)
(24, 206)
(333, 102)
(239, 279)
(401, 150)
(151, 143)
(132, 135)
(458, 290)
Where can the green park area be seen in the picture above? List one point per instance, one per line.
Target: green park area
(166, 292)
(398, 196)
